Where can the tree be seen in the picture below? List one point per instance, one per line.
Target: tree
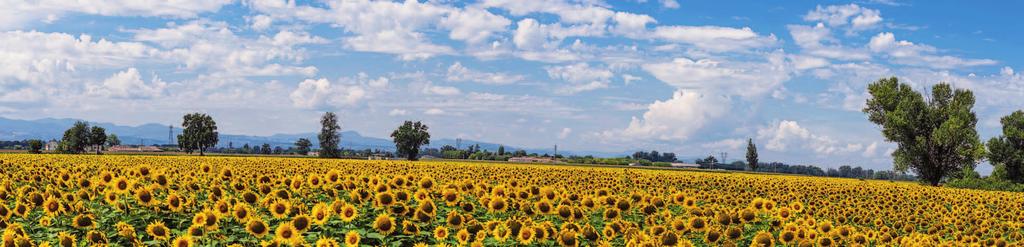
(408, 138)
(113, 140)
(329, 137)
(265, 149)
(34, 146)
(302, 146)
(75, 138)
(199, 133)
(751, 154)
(1007, 151)
(935, 137)
(98, 137)
(501, 150)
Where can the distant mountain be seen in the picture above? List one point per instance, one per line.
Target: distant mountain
(149, 134)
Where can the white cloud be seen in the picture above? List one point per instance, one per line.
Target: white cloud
(871, 150)
(840, 16)
(675, 119)
(629, 79)
(128, 84)
(727, 144)
(213, 47)
(53, 63)
(322, 93)
(786, 134)
(17, 14)
(474, 25)
(581, 77)
(732, 77)
(672, 4)
(564, 133)
(440, 90)
(457, 72)
(261, 22)
(908, 53)
(397, 112)
(714, 38)
(407, 45)
(818, 41)
(434, 111)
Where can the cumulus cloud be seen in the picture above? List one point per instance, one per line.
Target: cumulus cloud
(322, 93)
(852, 15)
(787, 134)
(581, 77)
(16, 14)
(675, 119)
(215, 48)
(908, 53)
(128, 84)
(458, 72)
(714, 38)
(818, 41)
(564, 133)
(731, 77)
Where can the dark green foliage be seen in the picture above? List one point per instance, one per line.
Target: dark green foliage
(113, 140)
(751, 155)
(302, 146)
(936, 137)
(409, 137)
(1007, 151)
(329, 137)
(97, 137)
(35, 146)
(199, 132)
(76, 138)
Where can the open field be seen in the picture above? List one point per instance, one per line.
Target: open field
(64, 200)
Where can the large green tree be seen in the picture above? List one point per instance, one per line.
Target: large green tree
(35, 146)
(199, 132)
(97, 138)
(329, 136)
(76, 138)
(113, 140)
(751, 155)
(302, 146)
(1007, 150)
(409, 137)
(935, 136)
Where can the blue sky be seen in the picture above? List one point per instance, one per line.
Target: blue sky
(691, 77)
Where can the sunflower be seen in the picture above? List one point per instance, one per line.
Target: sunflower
(301, 223)
(568, 238)
(825, 241)
(279, 209)
(65, 239)
(321, 213)
(352, 238)
(158, 231)
(763, 239)
(326, 242)
(497, 204)
(96, 237)
(121, 185)
(441, 234)
(384, 199)
(144, 196)
(501, 232)
(349, 213)
(182, 241)
(175, 202)
(83, 221)
(543, 206)
(51, 206)
(454, 219)
(526, 236)
(241, 212)
(712, 236)
(410, 229)
(463, 236)
(256, 227)
(384, 224)
(696, 224)
(787, 237)
(734, 233)
(286, 233)
(124, 229)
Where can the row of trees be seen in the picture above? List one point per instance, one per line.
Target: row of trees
(408, 138)
(81, 137)
(654, 156)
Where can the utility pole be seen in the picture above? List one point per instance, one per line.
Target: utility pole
(170, 134)
(556, 149)
(724, 156)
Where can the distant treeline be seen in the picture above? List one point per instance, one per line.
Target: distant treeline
(845, 171)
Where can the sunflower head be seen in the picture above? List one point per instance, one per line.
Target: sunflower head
(257, 228)
(352, 238)
(384, 224)
(158, 231)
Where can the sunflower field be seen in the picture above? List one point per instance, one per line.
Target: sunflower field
(69, 200)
